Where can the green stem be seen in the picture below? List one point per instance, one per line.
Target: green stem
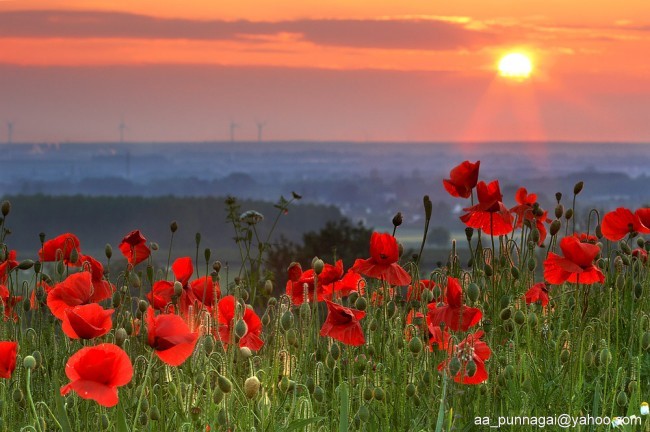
(30, 400)
(144, 384)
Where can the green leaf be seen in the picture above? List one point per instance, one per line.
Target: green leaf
(302, 423)
(344, 399)
(122, 426)
(61, 415)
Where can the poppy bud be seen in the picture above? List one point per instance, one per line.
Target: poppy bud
(241, 328)
(335, 351)
(558, 196)
(317, 264)
(473, 292)
(142, 306)
(367, 394)
(128, 326)
(410, 390)
(173, 227)
(283, 385)
(26, 264)
(454, 366)
(400, 249)
(319, 394)
(645, 341)
(222, 419)
(578, 187)
(217, 395)
(251, 387)
(534, 235)
(505, 314)
(27, 305)
(292, 337)
(38, 357)
(178, 289)
(559, 211)
(266, 319)
(17, 395)
(206, 254)
(6, 208)
(373, 325)
(364, 413)
(144, 405)
(605, 357)
(224, 384)
(625, 248)
(428, 207)
(29, 362)
(415, 345)
(520, 317)
(120, 337)
(555, 227)
(469, 232)
(379, 394)
(514, 271)
(361, 304)
(397, 219)
(117, 299)
(488, 270)
(287, 320)
(135, 280)
(154, 414)
(104, 422)
(149, 273)
(391, 309)
(216, 266)
(569, 214)
(564, 356)
(268, 287)
(470, 369)
(621, 399)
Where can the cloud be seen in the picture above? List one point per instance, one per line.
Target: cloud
(417, 34)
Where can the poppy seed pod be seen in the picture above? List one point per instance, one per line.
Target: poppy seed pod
(397, 219)
(559, 211)
(569, 214)
(251, 387)
(108, 251)
(178, 288)
(26, 264)
(454, 366)
(142, 306)
(578, 187)
(29, 362)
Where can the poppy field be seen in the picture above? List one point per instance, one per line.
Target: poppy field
(537, 312)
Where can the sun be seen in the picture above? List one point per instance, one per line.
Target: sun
(515, 65)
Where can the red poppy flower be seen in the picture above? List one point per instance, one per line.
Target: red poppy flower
(182, 269)
(349, 283)
(101, 287)
(7, 265)
(490, 214)
(77, 289)
(416, 294)
(455, 315)
(382, 264)
(170, 337)
(471, 348)
(577, 265)
(86, 321)
(298, 279)
(640, 254)
(586, 238)
(226, 318)
(524, 211)
(343, 324)
(8, 352)
(206, 291)
(644, 216)
(377, 297)
(537, 293)
(162, 291)
(621, 222)
(134, 247)
(9, 302)
(463, 179)
(60, 247)
(96, 373)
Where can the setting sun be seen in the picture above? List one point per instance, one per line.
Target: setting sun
(515, 65)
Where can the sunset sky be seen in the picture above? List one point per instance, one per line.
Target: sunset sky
(72, 70)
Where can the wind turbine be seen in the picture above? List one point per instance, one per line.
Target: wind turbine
(260, 128)
(10, 132)
(233, 126)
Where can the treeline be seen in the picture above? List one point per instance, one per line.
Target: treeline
(100, 220)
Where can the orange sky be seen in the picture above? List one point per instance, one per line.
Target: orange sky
(589, 57)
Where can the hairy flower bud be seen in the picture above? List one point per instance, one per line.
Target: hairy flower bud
(173, 227)
(251, 387)
(578, 187)
(397, 219)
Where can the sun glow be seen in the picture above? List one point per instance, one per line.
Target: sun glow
(516, 66)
